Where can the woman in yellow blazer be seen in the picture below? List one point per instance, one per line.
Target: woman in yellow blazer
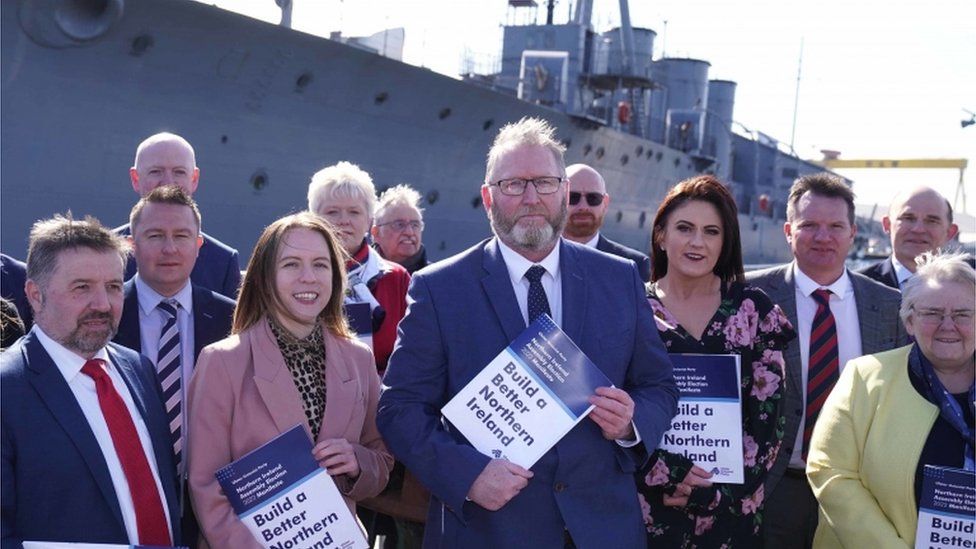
(892, 413)
(291, 359)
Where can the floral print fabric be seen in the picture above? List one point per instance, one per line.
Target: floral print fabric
(724, 516)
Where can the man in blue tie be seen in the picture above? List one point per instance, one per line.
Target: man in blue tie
(463, 311)
(86, 450)
(165, 316)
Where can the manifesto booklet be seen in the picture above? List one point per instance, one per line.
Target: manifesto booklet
(708, 427)
(946, 509)
(528, 397)
(286, 500)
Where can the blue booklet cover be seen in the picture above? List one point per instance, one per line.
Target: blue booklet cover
(528, 397)
(946, 509)
(708, 426)
(286, 499)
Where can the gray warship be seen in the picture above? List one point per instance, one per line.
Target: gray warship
(83, 81)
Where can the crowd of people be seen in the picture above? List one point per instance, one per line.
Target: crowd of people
(139, 360)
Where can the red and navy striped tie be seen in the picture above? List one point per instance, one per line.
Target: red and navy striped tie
(824, 363)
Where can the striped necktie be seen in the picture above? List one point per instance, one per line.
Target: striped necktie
(169, 370)
(824, 363)
(538, 302)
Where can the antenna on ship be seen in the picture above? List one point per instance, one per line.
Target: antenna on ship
(285, 6)
(796, 96)
(550, 7)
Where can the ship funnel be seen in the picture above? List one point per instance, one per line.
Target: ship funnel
(61, 23)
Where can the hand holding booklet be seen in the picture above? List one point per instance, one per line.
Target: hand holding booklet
(526, 399)
(286, 499)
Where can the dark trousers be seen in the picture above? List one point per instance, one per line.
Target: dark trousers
(791, 513)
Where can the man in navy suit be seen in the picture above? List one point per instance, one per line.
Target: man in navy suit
(13, 275)
(465, 310)
(588, 203)
(86, 450)
(168, 159)
(166, 236)
(919, 220)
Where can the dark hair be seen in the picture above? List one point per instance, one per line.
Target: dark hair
(821, 184)
(164, 194)
(707, 189)
(258, 297)
(50, 237)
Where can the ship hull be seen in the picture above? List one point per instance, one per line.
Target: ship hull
(265, 107)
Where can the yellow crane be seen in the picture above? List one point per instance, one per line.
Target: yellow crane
(831, 160)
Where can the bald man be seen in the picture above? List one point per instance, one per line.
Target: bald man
(168, 159)
(588, 203)
(919, 220)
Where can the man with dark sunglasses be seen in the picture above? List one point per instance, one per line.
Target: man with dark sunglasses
(588, 203)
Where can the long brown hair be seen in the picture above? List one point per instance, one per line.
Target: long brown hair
(707, 189)
(258, 296)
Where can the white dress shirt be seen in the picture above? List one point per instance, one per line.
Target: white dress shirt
(152, 319)
(901, 272)
(551, 281)
(844, 308)
(83, 388)
(591, 243)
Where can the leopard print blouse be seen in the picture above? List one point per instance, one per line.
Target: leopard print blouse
(305, 359)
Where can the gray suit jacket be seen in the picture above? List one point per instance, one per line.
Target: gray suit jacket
(881, 330)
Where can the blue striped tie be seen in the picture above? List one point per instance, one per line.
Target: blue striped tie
(824, 363)
(169, 371)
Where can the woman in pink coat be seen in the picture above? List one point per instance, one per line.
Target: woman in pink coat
(291, 359)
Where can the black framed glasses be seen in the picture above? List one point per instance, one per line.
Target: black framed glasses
(592, 199)
(401, 225)
(516, 185)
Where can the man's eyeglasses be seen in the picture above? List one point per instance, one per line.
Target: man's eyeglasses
(401, 225)
(592, 199)
(516, 185)
(935, 317)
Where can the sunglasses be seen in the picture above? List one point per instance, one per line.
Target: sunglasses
(592, 199)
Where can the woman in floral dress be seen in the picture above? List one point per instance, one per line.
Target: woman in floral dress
(701, 305)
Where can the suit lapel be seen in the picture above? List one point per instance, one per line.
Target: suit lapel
(499, 292)
(274, 381)
(574, 292)
(783, 293)
(203, 320)
(873, 323)
(57, 396)
(341, 387)
(129, 334)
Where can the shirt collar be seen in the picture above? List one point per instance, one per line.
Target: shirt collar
(149, 299)
(840, 287)
(67, 361)
(901, 272)
(591, 243)
(517, 264)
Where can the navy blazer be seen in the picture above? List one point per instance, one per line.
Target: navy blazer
(217, 268)
(462, 312)
(643, 262)
(13, 275)
(883, 272)
(212, 318)
(55, 483)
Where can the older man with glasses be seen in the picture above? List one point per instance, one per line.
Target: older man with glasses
(588, 203)
(399, 227)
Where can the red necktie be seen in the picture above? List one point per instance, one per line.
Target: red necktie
(823, 365)
(150, 516)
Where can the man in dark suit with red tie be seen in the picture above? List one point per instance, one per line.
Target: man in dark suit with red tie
(87, 454)
(839, 315)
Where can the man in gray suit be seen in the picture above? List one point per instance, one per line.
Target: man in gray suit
(845, 314)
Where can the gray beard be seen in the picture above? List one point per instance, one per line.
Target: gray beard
(528, 238)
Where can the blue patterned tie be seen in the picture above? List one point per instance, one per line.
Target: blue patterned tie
(824, 363)
(169, 370)
(538, 302)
